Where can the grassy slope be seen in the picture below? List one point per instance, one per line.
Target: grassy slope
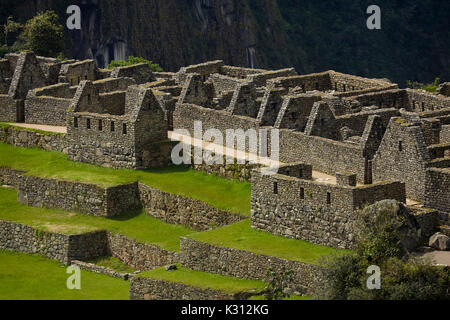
(224, 194)
(242, 236)
(137, 226)
(31, 277)
(204, 280)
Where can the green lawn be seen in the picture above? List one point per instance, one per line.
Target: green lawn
(32, 277)
(242, 236)
(205, 280)
(227, 195)
(136, 225)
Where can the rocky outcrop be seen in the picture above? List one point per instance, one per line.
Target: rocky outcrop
(440, 241)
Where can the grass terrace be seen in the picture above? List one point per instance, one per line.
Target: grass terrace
(242, 236)
(204, 280)
(137, 225)
(32, 277)
(227, 195)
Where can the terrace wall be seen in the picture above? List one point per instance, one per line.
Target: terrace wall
(175, 209)
(32, 139)
(149, 289)
(64, 248)
(140, 256)
(80, 197)
(246, 265)
(10, 177)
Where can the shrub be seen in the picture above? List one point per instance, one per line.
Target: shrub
(430, 87)
(383, 227)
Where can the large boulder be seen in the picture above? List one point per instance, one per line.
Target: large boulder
(440, 241)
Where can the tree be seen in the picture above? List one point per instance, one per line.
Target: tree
(11, 29)
(44, 34)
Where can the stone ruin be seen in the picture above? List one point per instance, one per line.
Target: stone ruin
(375, 140)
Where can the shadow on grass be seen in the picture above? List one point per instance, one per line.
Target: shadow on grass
(128, 216)
(169, 169)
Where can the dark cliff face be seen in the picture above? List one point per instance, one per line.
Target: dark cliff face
(312, 36)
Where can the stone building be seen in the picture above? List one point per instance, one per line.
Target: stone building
(120, 129)
(362, 132)
(294, 204)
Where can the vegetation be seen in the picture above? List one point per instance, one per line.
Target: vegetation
(112, 263)
(224, 194)
(277, 283)
(242, 236)
(42, 34)
(135, 225)
(32, 277)
(204, 280)
(135, 60)
(346, 276)
(430, 87)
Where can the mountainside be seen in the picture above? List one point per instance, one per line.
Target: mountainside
(312, 36)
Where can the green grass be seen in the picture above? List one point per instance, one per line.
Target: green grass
(227, 195)
(32, 277)
(204, 280)
(112, 263)
(242, 236)
(137, 225)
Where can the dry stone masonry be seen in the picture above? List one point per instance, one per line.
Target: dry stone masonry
(371, 140)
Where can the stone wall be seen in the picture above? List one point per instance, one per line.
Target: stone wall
(175, 209)
(149, 289)
(74, 73)
(10, 177)
(422, 101)
(403, 156)
(186, 115)
(140, 256)
(141, 73)
(10, 110)
(64, 248)
(101, 270)
(246, 265)
(296, 146)
(437, 189)
(46, 110)
(444, 89)
(21, 137)
(312, 211)
(80, 197)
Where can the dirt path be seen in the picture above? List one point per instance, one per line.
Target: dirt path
(42, 127)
